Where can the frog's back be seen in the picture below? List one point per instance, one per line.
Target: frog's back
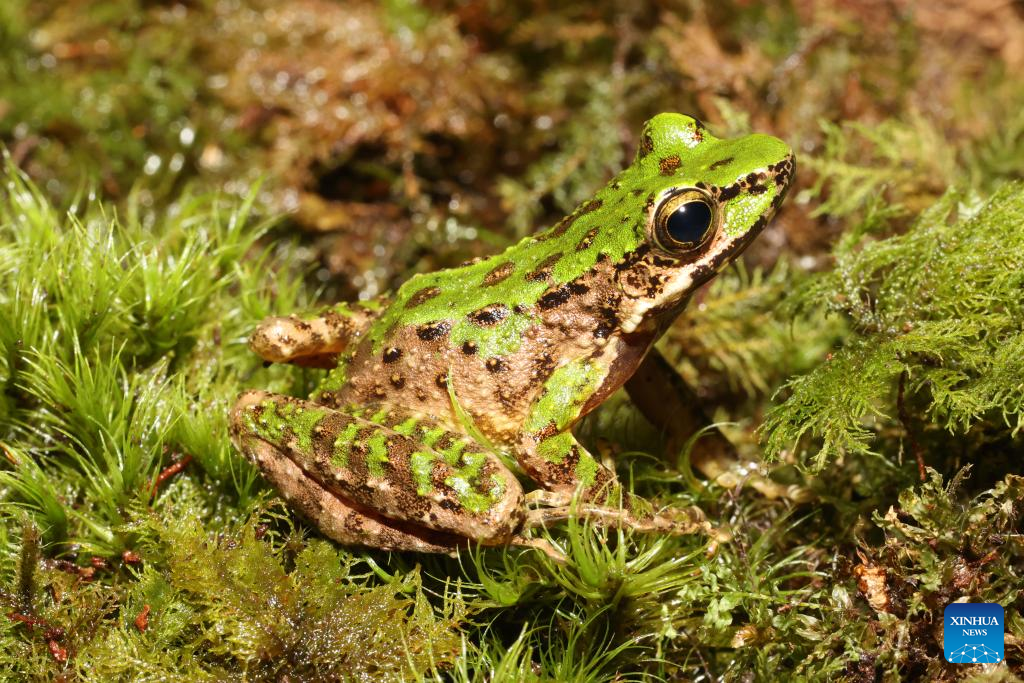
(490, 333)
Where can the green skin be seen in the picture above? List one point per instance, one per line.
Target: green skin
(397, 448)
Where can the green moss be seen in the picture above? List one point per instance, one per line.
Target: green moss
(936, 311)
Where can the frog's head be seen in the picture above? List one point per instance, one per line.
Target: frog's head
(701, 201)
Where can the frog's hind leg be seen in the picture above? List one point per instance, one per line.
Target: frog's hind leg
(407, 470)
(311, 341)
(338, 519)
(658, 391)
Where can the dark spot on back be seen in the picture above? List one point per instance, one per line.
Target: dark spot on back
(729, 192)
(499, 273)
(492, 314)
(587, 240)
(543, 366)
(397, 381)
(554, 297)
(669, 165)
(646, 144)
(543, 270)
(757, 189)
(391, 354)
(629, 259)
(442, 380)
(422, 296)
(433, 331)
(469, 347)
(720, 163)
(495, 365)
(560, 228)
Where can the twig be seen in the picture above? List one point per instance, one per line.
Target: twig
(904, 414)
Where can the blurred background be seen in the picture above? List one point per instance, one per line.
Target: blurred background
(403, 134)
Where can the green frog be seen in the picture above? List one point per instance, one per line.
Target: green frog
(436, 394)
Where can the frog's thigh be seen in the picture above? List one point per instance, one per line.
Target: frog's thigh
(665, 399)
(338, 519)
(402, 467)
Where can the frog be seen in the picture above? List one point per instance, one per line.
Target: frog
(444, 402)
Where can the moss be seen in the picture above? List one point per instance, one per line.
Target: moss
(936, 315)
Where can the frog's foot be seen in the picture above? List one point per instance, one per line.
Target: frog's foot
(313, 341)
(410, 476)
(675, 521)
(718, 462)
(658, 391)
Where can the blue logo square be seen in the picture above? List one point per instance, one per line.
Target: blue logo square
(972, 633)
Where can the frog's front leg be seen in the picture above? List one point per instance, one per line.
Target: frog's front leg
(311, 341)
(665, 399)
(381, 477)
(549, 453)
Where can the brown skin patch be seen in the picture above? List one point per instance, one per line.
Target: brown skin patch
(422, 296)
(543, 366)
(608, 323)
(670, 165)
(639, 281)
(499, 273)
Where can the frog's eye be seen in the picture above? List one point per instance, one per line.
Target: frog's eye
(685, 222)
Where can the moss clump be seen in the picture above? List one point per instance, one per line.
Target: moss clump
(937, 322)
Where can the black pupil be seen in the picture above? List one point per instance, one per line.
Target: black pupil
(689, 222)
